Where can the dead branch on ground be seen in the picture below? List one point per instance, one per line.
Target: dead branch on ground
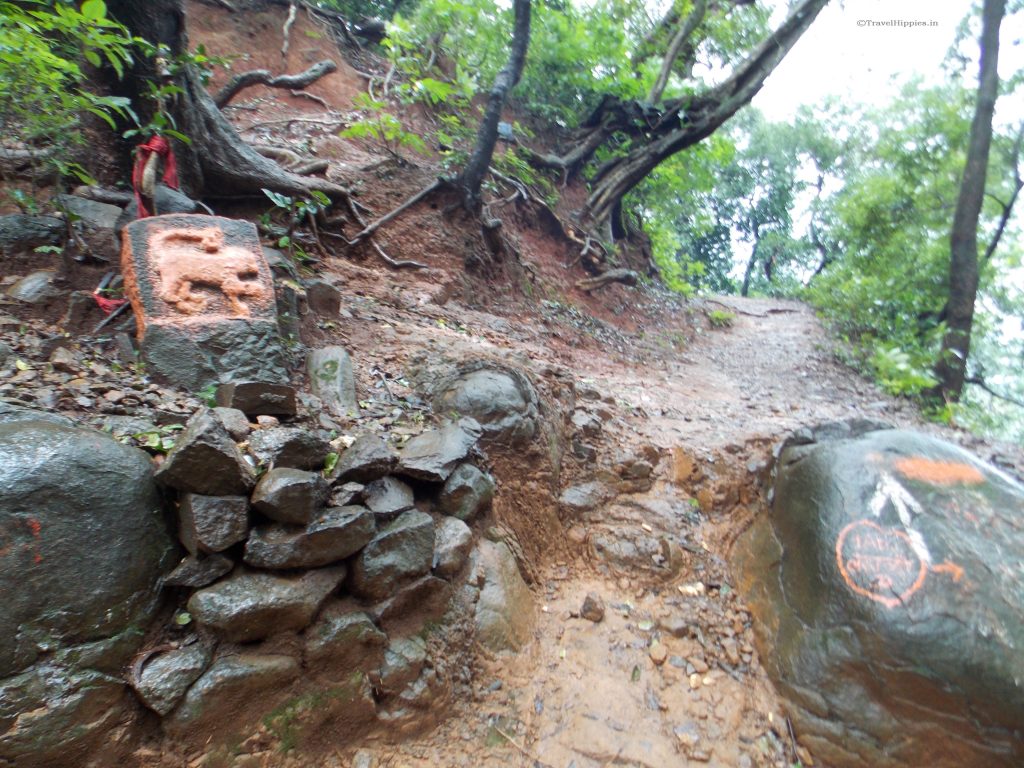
(624, 276)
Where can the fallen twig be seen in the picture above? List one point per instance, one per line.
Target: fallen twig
(311, 96)
(521, 748)
(624, 276)
(110, 317)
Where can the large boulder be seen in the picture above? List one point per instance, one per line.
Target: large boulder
(501, 400)
(205, 460)
(400, 552)
(504, 611)
(83, 543)
(434, 455)
(888, 585)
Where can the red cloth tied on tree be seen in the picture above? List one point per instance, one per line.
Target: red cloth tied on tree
(160, 146)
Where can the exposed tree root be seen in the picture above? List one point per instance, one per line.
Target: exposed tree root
(293, 9)
(244, 80)
(624, 276)
(369, 229)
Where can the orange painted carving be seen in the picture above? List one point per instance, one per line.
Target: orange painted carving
(186, 258)
(939, 472)
(879, 563)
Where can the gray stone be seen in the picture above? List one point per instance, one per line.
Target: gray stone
(167, 201)
(258, 398)
(388, 497)
(893, 618)
(433, 455)
(83, 536)
(20, 233)
(502, 401)
(205, 460)
(347, 493)
(452, 542)
(195, 572)
(504, 612)
(333, 536)
(403, 661)
(466, 492)
(586, 423)
(35, 288)
(584, 497)
(332, 380)
(166, 678)
(367, 459)
(289, 447)
(291, 495)
(345, 640)
(95, 222)
(196, 357)
(414, 603)
(50, 716)
(323, 298)
(233, 690)
(234, 421)
(212, 523)
(399, 552)
(252, 606)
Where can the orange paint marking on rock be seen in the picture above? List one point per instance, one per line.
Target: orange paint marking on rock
(879, 563)
(954, 570)
(938, 472)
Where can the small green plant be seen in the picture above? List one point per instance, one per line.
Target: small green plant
(719, 318)
(900, 372)
(384, 128)
(294, 210)
(159, 440)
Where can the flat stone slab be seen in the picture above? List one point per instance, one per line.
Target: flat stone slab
(434, 454)
(203, 298)
(887, 587)
(252, 606)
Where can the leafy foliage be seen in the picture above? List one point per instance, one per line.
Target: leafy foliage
(44, 47)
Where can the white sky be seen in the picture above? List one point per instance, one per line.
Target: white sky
(841, 55)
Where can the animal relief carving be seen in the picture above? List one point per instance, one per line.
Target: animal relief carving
(187, 258)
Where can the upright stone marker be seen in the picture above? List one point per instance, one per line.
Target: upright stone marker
(203, 298)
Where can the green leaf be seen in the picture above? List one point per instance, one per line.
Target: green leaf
(94, 10)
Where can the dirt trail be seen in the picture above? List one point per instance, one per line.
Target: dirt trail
(670, 676)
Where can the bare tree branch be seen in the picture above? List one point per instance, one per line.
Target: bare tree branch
(244, 80)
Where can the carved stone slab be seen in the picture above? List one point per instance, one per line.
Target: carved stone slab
(203, 298)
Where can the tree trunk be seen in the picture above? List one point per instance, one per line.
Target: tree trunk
(684, 123)
(216, 161)
(487, 136)
(950, 370)
(751, 263)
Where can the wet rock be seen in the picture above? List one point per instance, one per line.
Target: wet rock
(20, 233)
(323, 298)
(586, 423)
(252, 606)
(345, 640)
(388, 497)
(453, 541)
(82, 536)
(334, 535)
(166, 678)
(399, 552)
(403, 662)
(95, 222)
(333, 380)
(234, 689)
(584, 497)
(205, 460)
(166, 201)
(424, 599)
(289, 447)
(197, 572)
(592, 608)
(347, 493)
(435, 454)
(466, 493)
(502, 401)
(35, 288)
(234, 421)
(894, 620)
(290, 495)
(255, 398)
(504, 612)
(51, 716)
(366, 460)
(212, 523)
(627, 549)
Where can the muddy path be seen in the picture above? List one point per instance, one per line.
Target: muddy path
(670, 676)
